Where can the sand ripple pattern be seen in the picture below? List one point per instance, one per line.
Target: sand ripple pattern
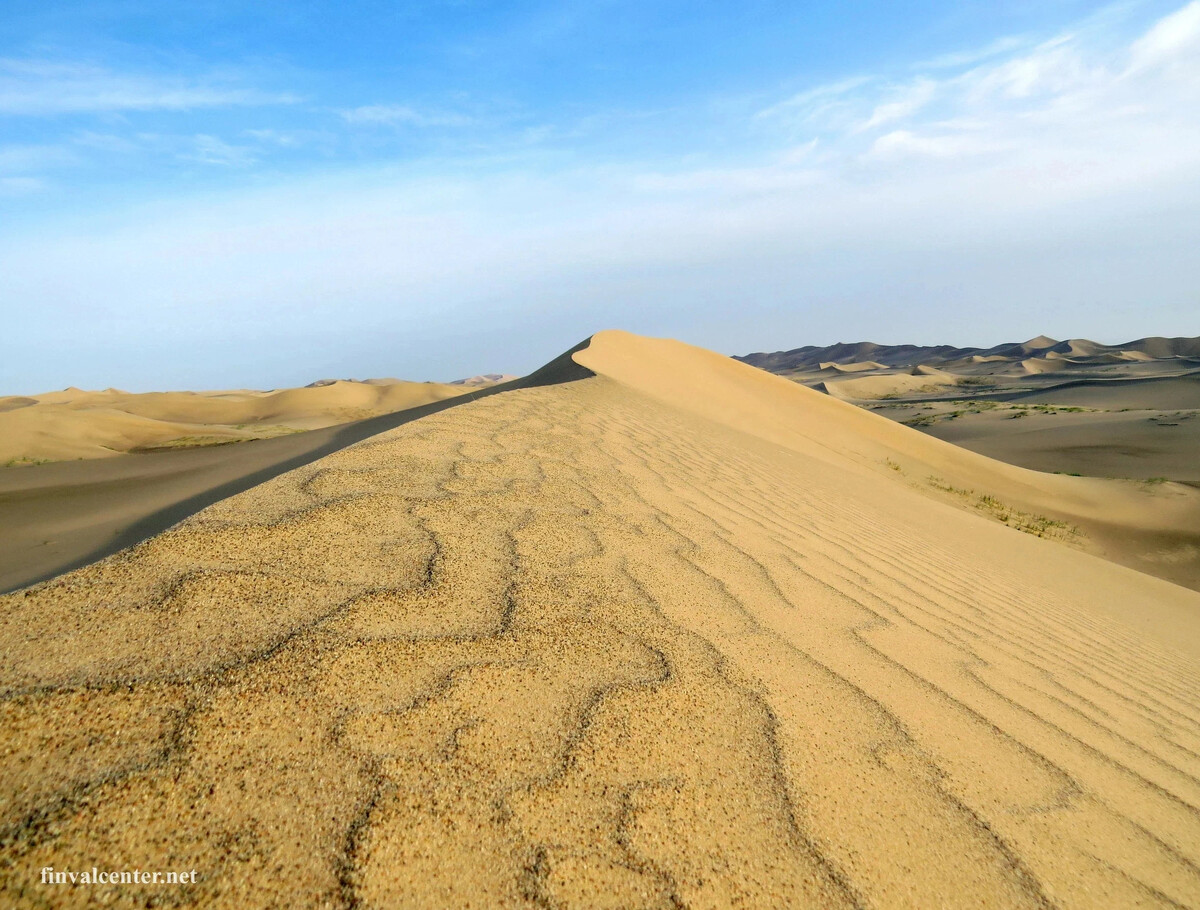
(568, 647)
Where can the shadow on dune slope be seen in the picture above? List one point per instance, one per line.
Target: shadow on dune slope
(676, 636)
(61, 516)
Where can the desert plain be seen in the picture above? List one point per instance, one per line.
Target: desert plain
(648, 628)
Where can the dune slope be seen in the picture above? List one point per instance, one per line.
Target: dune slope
(1129, 411)
(74, 424)
(645, 639)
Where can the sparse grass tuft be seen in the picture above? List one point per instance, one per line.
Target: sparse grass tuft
(22, 460)
(923, 420)
(1037, 525)
(939, 484)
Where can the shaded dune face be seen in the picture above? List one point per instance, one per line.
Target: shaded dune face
(574, 647)
(73, 424)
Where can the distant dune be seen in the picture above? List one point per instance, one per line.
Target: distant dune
(890, 385)
(1011, 354)
(1128, 411)
(866, 365)
(74, 424)
(485, 379)
(666, 632)
(1044, 364)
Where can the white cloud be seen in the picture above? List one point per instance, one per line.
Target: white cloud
(736, 181)
(1058, 182)
(47, 87)
(902, 143)
(403, 115)
(818, 106)
(957, 59)
(212, 150)
(1072, 112)
(289, 139)
(1055, 67)
(904, 103)
(21, 167)
(1170, 39)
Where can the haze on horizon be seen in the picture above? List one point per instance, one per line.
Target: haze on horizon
(222, 196)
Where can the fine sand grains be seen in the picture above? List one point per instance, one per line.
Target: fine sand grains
(74, 424)
(574, 647)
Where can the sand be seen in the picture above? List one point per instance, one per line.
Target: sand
(74, 424)
(1141, 445)
(675, 634)
(1143, 430)
(1128, 412)
(58, 516)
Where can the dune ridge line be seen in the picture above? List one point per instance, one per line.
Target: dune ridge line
(670, 635)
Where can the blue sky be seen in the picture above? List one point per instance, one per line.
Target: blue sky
(221, 194)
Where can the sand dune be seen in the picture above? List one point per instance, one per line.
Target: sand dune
(676, 634)
(1005, 359)
(1100, 445)
(863, 367)
(1129, 411)
(1046, 364)
(890, 385)
(73, 424)
(484, 379)
(1163, 393)
(922, 369)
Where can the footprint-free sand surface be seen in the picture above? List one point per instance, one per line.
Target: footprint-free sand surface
(58, 516)
(675, 633)
(74, 424)
(1127, 411)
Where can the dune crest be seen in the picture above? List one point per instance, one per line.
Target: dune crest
(667, 635)
(1121, 522)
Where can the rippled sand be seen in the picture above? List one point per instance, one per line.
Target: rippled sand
(586, 645)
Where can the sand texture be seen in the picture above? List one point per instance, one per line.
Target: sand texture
(74, 424)
(1122, 411)
(58, 516)
(1128, 412)
(676, 634)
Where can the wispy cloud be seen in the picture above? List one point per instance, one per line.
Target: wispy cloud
(290, 139)
(38, 88)
(1055, 180)
(403, 115)
(904, 102)
(1172, 39)
(23, 167)
(203, 148)
(212, 150)
(901, 144)
(1055, 67)
(1072, 106)
(815, 104)
(958, 59)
